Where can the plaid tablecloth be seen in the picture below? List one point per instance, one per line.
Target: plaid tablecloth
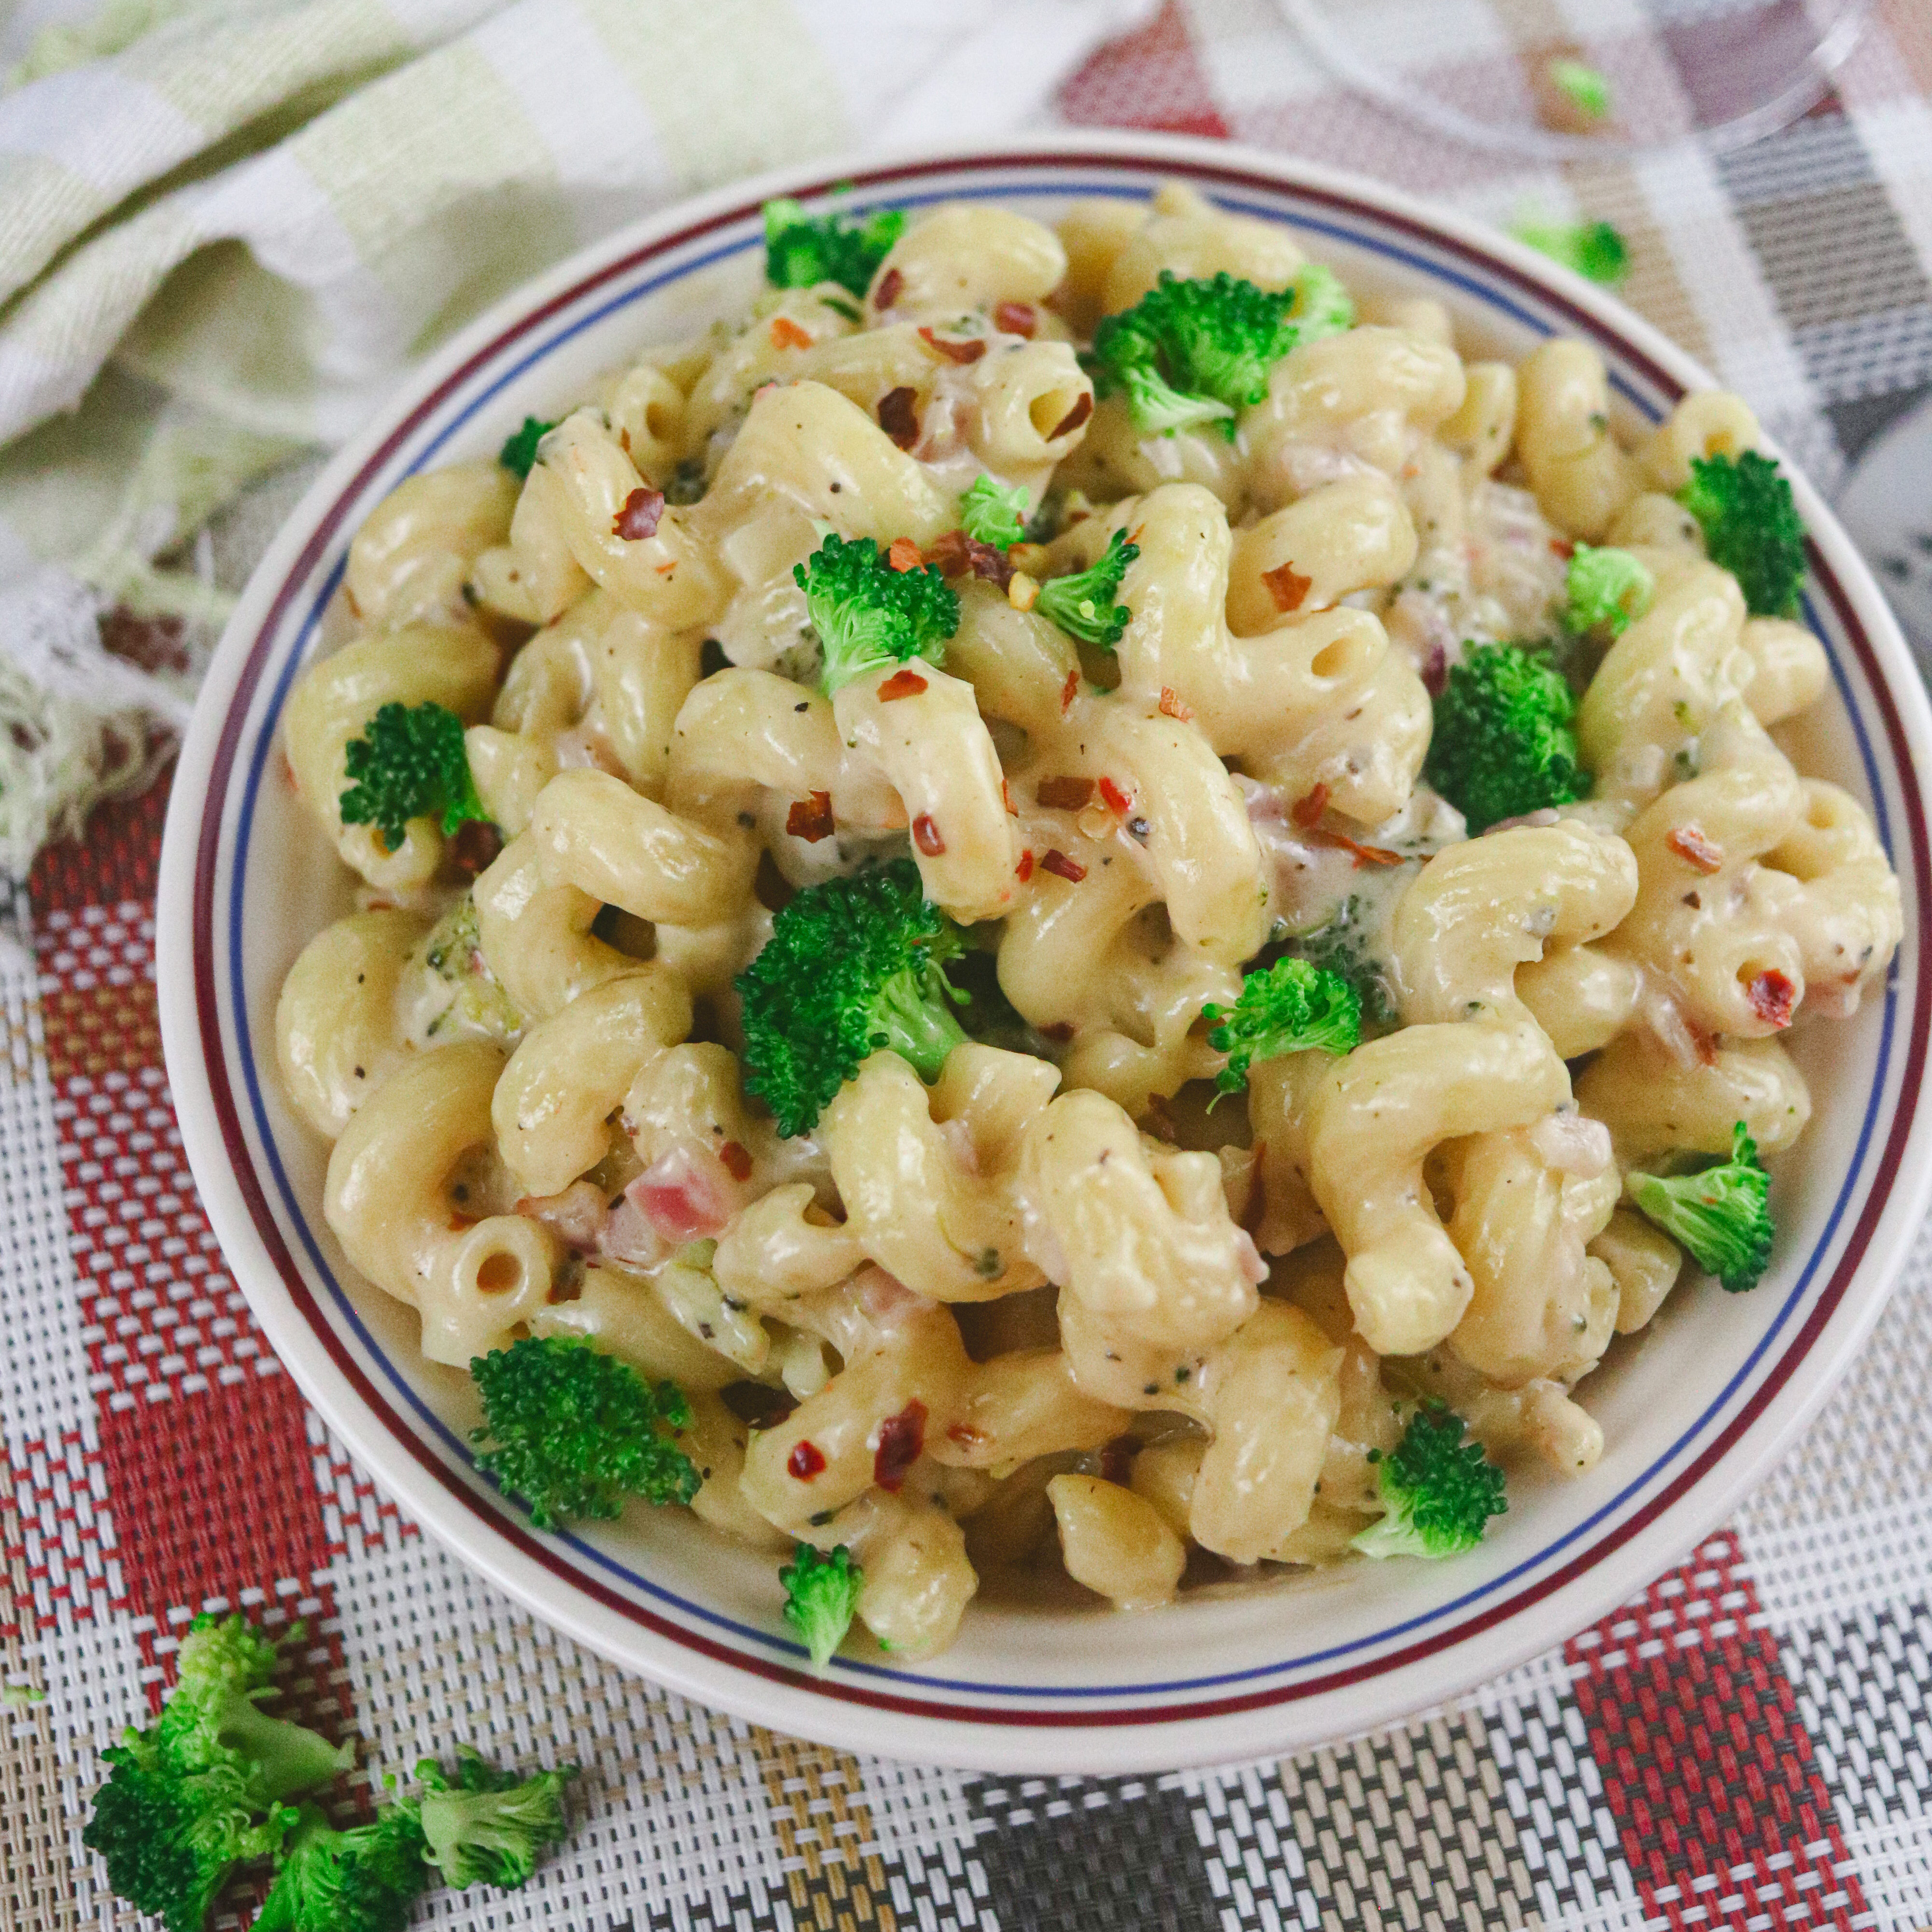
(1745, 1746)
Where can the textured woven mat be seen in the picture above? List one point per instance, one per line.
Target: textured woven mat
(1746, 1746)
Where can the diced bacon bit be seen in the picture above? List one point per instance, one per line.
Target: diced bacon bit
(925, 835)
(640, 517)
(810, 818)
(737, 1160)
(1013, 318)
(1073, 418)
(1056, 862)
(1772, 997)
(1287, 586)
(902, 1439)
(1115, 800)
(899, 416)
(576, 1216)
(1023, 871)
(1172, 706)
(806, 1460)
(681, 1197)
(628, 1236)
(786, 333)
(1066, 794)
(955, 554)
(1006, 800)
(887, 292)
(1435, 671)
(1701, 854)
(970, 350)
(965, 1434)
(1306, 811)
(903, 554)
(1061, 1030)
(901, 684)
(1068, 691)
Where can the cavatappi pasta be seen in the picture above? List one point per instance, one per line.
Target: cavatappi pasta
(1138, 1342)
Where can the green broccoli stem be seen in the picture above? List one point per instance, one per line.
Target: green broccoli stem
(911, 1015)
(290, 1756)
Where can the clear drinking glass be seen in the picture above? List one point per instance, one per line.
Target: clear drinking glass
(1514, 77)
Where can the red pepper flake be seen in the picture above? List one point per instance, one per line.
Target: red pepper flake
(475, 847)
(1006, 800)
(1067, 794)
(898, 416)
(901, 684)
(806, 1460)
(667, 569)
(1307, 811)
(1287, 586)
(786, 333)
(925, 835)
(1563, 546)
(737, 1160)
(1061, 1030)
(1172, 706)
(1023, 871)
(887, 292)
(1073, 418)
(1056, 862)
(902, 1438)
(640, 517)
(903, 554)
(1772, 996)
(965, 1434)
(955, 554)
(968, 351)
(1012, 318)
(810, 818)
(1701, 854)
(1115, 799)
(1068, 691)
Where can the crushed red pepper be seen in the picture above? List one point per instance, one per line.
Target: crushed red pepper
(811, 818)
(925, 835)
(1287, 586)
(901, 684)
(901, 1438)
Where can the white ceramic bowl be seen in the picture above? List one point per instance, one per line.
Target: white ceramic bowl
(1693, 1412)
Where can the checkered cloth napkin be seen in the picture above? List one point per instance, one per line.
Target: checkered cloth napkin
(1745, 1746)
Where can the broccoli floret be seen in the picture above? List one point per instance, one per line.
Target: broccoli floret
(1082, 605)
(487, 1826)
(1720, 1215)
(519, 454)
(853, 965)
(1288, 1007)
(1609, 587)
(1594, 249)
(1438, 1491)
(410, 764)
(1501, 744)
(1587, 88)
(1751, 527)
(991, 515)
(364, 1879)
(867, 615)
(574, 1432)
(1341, 947)
(1196, 351)
(224, 1668)
(802, 249)
(170, 1839)
(200, 1789)
(821, 1591)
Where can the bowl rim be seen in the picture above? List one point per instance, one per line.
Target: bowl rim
(1209, 1729)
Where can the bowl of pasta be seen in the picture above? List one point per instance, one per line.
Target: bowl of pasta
(1071, 958)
